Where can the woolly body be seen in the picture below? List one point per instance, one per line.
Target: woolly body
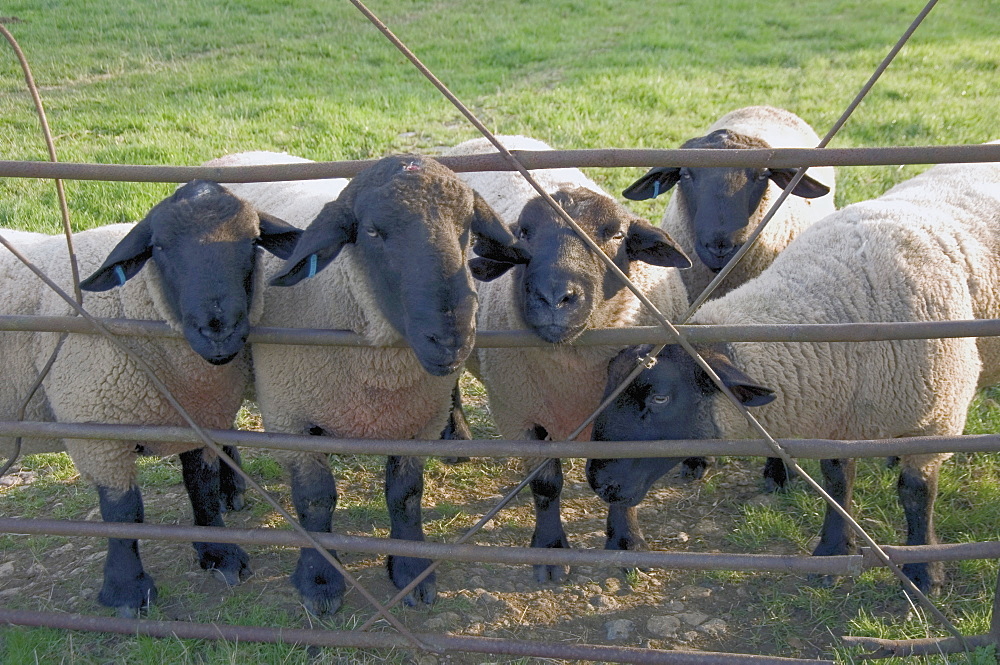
(779, 129)
(554, 386)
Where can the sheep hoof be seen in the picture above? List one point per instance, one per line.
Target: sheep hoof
(128, 598)
(555, 574)
(319, 584)
(233, 503)
(694, 468)
(126, 612)
(403, 570)
(229, 562)
(928, 577)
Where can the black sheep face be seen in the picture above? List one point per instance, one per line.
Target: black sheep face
(409, 220)
(204, 242)
(674, 399)
(562, 287)
(723, 203)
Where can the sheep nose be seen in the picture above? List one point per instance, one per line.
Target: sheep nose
(558, 296)
(444, 340)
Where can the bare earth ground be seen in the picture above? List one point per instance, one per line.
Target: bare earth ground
(660, 609)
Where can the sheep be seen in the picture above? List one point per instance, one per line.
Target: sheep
(714, 210)
(393, 245)
(927, 250)
(203, 281)
(558, 290)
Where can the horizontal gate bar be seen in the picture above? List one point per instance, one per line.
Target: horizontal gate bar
(531, 159)
(366, 640)
(800, 448)
(486, 339)
(773, 563)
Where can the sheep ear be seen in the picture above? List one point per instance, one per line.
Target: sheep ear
(334, 227)
(488, 226)
(497, 249)
(125, 260)
(746, 390)
(655, 182)
(277, 236)
(652, 245)
(486, 270)
(808, 188)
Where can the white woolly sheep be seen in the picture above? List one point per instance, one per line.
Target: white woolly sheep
(714, 210)
(926, 250)
(202, 281)
(394, 246)
(558, 290)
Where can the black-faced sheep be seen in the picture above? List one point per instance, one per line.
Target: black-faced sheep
(714, 210)
(202, 280)
(926, 250)
(394, 247)
(558, 289)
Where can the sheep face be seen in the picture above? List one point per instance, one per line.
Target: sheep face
(561, 286)
(203, 241)
(674, 399)
(722, 204)
(407, 220)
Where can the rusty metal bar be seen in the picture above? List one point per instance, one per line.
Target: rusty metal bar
(359, 640)
(774, 563)
(931, 646)
(805, 448)
(531, 159)
(493, 339)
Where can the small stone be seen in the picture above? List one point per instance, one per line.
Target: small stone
(64, 549)
(476, 581)
(93, 557)
(619, 629)
(694, 592)
(688, 636)
(612, 585)
(10, 592)
(489, 598)
(663, 626)
(443, 621)
(35, 569)
(603, 602)
(693, 618)
(673, 606)
(7, 569)
(681, 537)
(714, 627)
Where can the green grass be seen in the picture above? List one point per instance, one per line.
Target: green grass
(181, 82)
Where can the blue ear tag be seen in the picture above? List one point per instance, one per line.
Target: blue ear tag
(312, 265)
(656, 188)
(120, 274)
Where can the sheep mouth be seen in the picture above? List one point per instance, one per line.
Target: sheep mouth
(558, 334)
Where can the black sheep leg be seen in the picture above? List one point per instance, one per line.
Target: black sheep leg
(127, 587)
(694, 468)
(314, 493)
(202, 480)
(546, 489)
(624, 532)
(775, 475)
(457, 428)
(837, 537)
(404, 488)
(232, 486)
(917, 489)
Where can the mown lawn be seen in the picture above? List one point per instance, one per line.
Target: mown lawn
(180, 82)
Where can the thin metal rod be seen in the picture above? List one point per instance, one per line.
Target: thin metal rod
(359, 640)
(801, 448)
(531, 159)
(494, 339)
(852, 565)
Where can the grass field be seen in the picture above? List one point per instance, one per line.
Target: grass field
(180, 82)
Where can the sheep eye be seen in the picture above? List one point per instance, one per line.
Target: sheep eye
(373, 232)
(618, 236)
(660, 399)
(763, 175)
(685, 174)
(522, 233)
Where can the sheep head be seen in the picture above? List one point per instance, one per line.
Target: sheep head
(562, 288)
(203, 241)
(721, 202)
(408, 221)
(673, 399)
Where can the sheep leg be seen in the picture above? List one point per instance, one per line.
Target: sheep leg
(836, 537)
(775, 475)
(314, 494)
(127, 587)
(202, 479)
(404, 488)
(694, 468)
(458, 428)
(624, 532)
(917, 490)
(545, 490)
(232, 486)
